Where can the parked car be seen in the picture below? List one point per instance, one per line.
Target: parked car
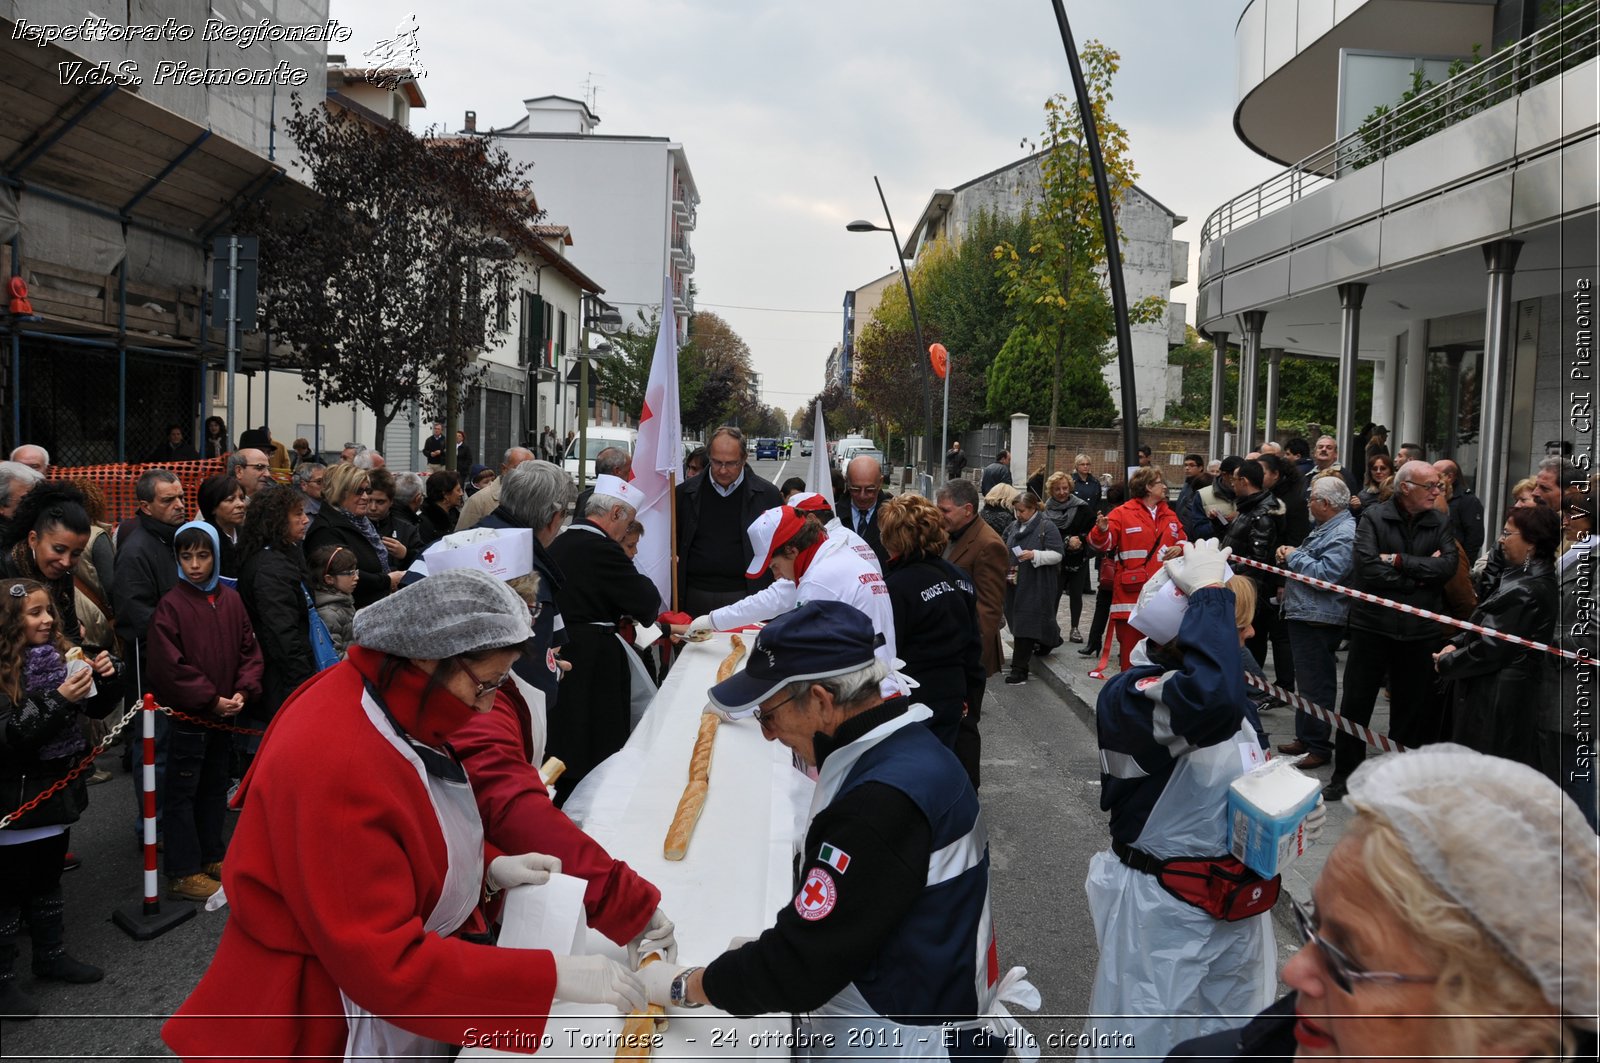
(805, 448)
(849, 447)
(766, 448)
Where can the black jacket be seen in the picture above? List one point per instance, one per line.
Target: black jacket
(993, 473)
(1270, 1035)
(537, 666)
(759, 496)
(146, 569)
(936, 630)
(1467, 513)
(850, 518)
(434, 450)
(1416, 578)
(33, 733)
(1495, 685)
(434, 523)
(1255, 534)
(332, 526)
(397, 527)
(271, 582)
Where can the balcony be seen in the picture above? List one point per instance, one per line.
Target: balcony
(1287, 59)
(1505, 148)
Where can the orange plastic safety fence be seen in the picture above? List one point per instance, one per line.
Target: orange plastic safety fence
(116, 482)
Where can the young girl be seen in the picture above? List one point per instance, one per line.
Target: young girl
(334, 569)
(40, 743)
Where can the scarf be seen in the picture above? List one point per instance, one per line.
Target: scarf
(368, 532)
(803, 559)
(44, 669)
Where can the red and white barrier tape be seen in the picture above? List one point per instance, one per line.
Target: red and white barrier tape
(1366, 734)
(1412, 610)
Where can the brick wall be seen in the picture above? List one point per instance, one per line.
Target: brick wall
(1104, 448)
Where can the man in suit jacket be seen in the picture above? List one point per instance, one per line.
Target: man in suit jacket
(714, 509)
(978, 551)
(864, 479)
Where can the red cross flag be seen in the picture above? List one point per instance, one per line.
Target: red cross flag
(658, 454)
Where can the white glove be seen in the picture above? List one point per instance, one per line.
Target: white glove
(528, 869)
(598, 980)
(657, 981)
(1316, 819)
(657, 936)
(1202, 565)
(700, 625)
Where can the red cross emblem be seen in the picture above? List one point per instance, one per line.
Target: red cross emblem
(817, 897)
(488, 557)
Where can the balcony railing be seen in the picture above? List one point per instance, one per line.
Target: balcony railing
(1560, 46)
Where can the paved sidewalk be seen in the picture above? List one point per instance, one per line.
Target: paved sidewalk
(1067, 674)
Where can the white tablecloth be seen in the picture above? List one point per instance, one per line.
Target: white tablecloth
(739, 867)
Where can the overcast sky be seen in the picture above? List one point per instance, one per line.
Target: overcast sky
(786, 111)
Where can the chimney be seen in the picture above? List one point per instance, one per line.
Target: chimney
(472, 121)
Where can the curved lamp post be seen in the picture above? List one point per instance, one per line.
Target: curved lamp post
(607, 322)
(916, 326)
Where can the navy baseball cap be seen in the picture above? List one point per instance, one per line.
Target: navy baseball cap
(815, 641)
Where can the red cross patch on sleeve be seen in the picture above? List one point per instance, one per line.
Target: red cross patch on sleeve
(817, 897)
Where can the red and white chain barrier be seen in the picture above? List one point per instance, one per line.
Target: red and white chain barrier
(1366, 734)
(1412, 610)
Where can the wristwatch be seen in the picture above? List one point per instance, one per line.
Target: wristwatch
(680, 989)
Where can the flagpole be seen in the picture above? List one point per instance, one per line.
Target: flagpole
(672, 511)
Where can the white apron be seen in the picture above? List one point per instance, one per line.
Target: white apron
(856, 1031)
(1168, 971)
(373, 1038)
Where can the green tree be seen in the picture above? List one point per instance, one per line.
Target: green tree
(624, 376)
(1064, 317)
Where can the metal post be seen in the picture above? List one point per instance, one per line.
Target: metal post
(944, 430)
(1270, 430)
(122, 351)
(1108, 226)
(233, 323)
(1219, 373)
(1500, 259)
(583, 421)
(916, 329)
(1344, 433)
(1252, 321)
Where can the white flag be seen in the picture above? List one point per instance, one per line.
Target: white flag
(658, 455)
(819, 477)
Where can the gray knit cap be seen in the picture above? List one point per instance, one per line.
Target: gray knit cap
(459, 611)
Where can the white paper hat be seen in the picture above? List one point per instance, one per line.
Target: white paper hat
(504, 553)
(617, 487)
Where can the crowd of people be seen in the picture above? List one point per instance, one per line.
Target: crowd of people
(408, 699)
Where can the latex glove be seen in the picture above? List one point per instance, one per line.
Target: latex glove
(528, 869)
(1316, 819)
(738, 942)
(657, 981)
(1203, 565)
(657, 936)
(700, 625)
(598, 980)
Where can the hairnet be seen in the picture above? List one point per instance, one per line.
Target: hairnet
(1502, 841)
(458, 611)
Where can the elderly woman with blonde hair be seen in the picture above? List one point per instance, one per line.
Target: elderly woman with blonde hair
(1455, 918)
(996, 511)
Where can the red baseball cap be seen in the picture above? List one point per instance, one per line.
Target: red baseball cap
(768, 533)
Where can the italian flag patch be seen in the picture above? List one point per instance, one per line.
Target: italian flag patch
(837, 859)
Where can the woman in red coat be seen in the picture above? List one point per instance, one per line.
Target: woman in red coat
(359, 858)
(1134, 536)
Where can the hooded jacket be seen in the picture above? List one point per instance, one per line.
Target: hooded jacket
(200, 644)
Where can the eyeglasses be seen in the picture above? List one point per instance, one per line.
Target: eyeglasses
(869, 489)
(483, 687)
(1344, 971)
(725, 464)
(1432, 489)
(767, 714)
(259, 467)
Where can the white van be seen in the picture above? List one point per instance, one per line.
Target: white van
(599, 438)
(849, 447)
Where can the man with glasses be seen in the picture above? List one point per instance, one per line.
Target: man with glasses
(308, 479)
(890, 916)
(714, 509)
(1405, 551)
(864, 478)
(250, 467)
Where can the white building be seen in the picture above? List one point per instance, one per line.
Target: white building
(631, 200)
(1153, 263)
(1452, 243)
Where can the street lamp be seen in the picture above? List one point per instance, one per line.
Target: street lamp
(860, 226)
(607, 322)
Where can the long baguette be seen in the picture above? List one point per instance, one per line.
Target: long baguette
(730, 663)
(684, 820)
(639, 1027)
